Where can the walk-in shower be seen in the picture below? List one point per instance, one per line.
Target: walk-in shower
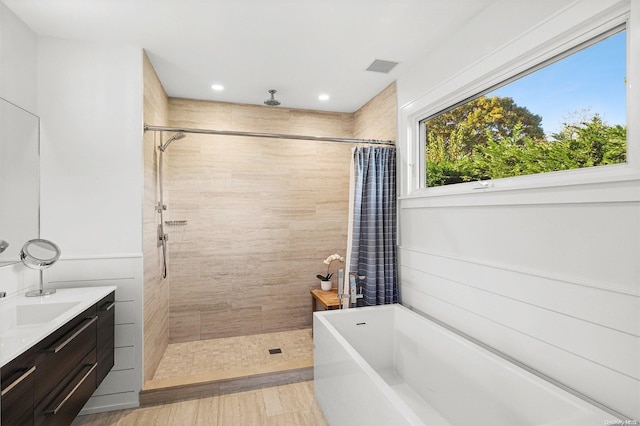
(262, 211)
(180, 133)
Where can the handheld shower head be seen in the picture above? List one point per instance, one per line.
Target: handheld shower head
(175, 137)
(272, 101)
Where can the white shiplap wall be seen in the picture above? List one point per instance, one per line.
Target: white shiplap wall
(90, 106)
(549, 276)
(121, 386)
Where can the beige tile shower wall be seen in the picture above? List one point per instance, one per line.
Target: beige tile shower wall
(156, 290)
(377, 119)
(262, 215)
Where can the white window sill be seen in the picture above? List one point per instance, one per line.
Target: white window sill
(605, 184)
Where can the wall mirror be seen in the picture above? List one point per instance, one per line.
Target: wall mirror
(19, 179)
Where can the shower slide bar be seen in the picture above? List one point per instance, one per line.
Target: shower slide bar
(265, 135)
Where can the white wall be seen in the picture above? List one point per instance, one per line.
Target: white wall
(90, 105)
(18, 85)
(550, 275)
(18, 61)
(91, 171)
(89, 99)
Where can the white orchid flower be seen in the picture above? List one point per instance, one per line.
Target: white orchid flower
(328, 262)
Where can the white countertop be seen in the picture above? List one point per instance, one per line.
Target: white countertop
(16, 337)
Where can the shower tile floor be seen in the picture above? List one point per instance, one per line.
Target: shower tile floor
(224, 358)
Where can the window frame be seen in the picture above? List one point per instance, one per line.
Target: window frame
(413, 141)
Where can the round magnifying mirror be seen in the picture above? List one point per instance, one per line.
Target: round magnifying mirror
(39, 254)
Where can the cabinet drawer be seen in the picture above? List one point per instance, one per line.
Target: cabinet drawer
(57, 356)
(17, 390)
(66, 400)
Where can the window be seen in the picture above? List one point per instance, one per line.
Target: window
(568, 113)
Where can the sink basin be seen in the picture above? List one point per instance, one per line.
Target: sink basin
(41, 313)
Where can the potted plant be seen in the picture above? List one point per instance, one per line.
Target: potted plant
(325, 280)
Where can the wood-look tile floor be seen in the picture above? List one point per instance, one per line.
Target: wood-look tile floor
(235, 353)
(292, 404)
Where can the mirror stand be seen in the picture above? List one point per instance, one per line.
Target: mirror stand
(40, 291)
(39, 254)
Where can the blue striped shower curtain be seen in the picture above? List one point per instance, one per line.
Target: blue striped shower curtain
(373, 236)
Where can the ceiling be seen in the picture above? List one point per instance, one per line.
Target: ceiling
(302, 48)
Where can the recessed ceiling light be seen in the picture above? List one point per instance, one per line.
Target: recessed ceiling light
(323, 97)
(217, 87)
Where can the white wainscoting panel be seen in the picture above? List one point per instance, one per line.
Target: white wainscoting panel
(584, 337)
(601, 306)
(122, 385)
(591, 244)
(126, 335)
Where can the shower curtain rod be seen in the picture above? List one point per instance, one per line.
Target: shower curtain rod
(264, 135)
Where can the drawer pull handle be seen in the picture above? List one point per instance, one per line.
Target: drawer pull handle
(75, 388)
(109, 306)
(18, 381)
(73, 336)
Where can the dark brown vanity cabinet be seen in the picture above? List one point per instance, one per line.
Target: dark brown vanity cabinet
(17, 390)
(66, 370)
(106, 336)
(57, 376)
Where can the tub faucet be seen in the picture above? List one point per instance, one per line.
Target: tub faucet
(355, 296)
(343, 289)
(358, 292)
(350, 291)
(342, 296)
(3, 294)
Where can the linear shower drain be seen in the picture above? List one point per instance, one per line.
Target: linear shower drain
(275, 351)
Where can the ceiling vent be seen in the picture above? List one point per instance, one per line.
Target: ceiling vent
(381, 66)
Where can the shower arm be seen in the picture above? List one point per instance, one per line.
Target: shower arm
(163, 146)
(148, 127)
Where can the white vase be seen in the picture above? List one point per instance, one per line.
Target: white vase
(325, 285)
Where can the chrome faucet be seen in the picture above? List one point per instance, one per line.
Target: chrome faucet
(3, 294)
(342, 287)
(350, 291)
(343, 296)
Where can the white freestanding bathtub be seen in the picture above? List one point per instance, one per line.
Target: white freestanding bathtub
(387, 365)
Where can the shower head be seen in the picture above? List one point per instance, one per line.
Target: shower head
(175, 137)
(272, 101)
